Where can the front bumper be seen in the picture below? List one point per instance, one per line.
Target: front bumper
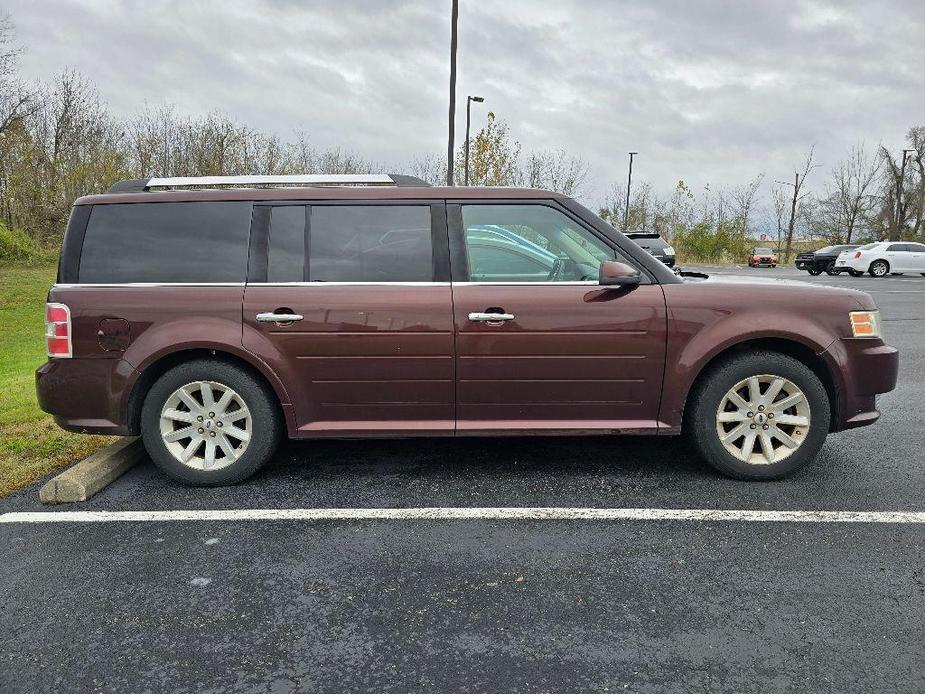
(867, 368)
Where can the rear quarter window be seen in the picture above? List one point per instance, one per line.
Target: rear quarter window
(166, 242)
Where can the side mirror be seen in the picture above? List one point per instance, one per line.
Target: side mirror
(614, 273)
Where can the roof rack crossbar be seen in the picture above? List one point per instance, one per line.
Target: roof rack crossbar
(312, 180)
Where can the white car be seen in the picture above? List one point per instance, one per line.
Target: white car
(883, 258)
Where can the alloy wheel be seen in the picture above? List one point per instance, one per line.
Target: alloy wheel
(763, 419)
(205, 425)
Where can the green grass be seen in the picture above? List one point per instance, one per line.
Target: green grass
(31, 445)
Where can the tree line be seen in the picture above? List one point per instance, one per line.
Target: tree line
(59, 141)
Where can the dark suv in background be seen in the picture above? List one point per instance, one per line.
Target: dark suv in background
(823, 260)
(216, 315)
(654, 244)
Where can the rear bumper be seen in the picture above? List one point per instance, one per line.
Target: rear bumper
(85, 395)
(868, 368)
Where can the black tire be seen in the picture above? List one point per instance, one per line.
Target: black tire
(265, 420)
(879, 268)
(814, 271)
(700, 419)
(830, 269)
(855, 273)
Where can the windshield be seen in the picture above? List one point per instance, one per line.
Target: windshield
(762, 251)
(827, 249)
(867, 247)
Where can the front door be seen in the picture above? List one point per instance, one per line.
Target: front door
(360, 327)
(916, 257)
(540, 345)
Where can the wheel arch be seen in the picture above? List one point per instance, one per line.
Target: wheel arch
(157, 366)
(790, 347)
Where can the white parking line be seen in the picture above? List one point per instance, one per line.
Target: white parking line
(498, 513)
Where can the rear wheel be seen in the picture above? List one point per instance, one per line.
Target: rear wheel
(758, 415)
(815, 271)
(855, 273)
(830, 269)
(209, 423)
(879, 268)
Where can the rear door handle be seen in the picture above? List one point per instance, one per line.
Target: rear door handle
(278, 317)
(490, 317)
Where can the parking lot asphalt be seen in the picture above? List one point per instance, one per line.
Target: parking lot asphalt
(493, 605)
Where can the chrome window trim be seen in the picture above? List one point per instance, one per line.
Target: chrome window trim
(347, 284)
(570, 283)
(584, 283)
(77, 285)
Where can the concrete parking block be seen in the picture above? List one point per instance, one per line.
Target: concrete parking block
(81, 481)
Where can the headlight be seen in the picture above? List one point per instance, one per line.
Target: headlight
(669, 250)
(866, 324)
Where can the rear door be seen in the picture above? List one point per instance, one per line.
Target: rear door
(897, 256)
(563, 354)
(359, 327)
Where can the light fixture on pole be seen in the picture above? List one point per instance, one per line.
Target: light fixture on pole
(469, 100)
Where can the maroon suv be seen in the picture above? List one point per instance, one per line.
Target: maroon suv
(219, 314)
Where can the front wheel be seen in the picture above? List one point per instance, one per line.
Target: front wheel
(758, 415)
(208, 423)
(814, 271)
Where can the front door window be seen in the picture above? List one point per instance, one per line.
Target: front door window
(529, 243)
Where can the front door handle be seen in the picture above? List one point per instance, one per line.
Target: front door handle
(278, 317)
(490, 317)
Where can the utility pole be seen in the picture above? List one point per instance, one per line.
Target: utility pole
(629, 183)
(900, 211)
(469, 100)
(451, 142)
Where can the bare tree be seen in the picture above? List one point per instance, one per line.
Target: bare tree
(780, 205)
(743, 202)
(16, 101)
(799, 181)
(556, 171)
(851, 193)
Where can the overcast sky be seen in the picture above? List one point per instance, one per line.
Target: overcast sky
(711, 92)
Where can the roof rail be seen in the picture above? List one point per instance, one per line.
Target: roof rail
(144, 185)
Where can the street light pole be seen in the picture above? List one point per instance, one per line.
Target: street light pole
(899, 196)
(469, 100)
(451, 141)
(629, 183)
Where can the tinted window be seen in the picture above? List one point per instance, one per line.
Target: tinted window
(191, 242)
(915, 247)
(500, 237)
(286, 254)
(897, 248)
(370, 243)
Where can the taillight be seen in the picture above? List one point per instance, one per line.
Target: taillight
(857, 255)
(58, 330)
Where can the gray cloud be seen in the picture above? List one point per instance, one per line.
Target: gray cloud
(706, 91)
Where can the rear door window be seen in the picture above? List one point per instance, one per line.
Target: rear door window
(370, 243)
(286, 247)
(166, 242)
